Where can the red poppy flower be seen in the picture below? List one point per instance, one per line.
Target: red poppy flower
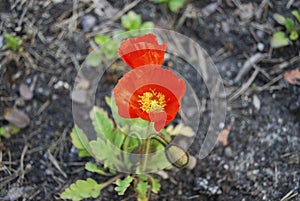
(151, 93)
(143, 50)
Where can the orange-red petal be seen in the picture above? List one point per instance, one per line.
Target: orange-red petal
(140, 80)
(141, 51)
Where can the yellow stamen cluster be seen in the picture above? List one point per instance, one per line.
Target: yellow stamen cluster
(152, 101)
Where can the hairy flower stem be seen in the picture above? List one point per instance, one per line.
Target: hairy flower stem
(146, 146)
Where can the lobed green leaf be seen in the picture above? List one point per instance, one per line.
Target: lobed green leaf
(123, 184)
(89, 166)
(155, 185)
(102, 123)
(82, 189)
(142, 189)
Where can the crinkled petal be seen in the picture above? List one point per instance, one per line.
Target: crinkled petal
(141, 51)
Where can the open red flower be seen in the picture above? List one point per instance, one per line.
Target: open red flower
(143, 50)
(151, 93)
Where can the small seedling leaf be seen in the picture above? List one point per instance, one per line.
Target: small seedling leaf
(296, 14)
(82, 189)
(280, 19)
(175, 5)
(102, 39)
(160, 1)
(289, 24)
(279, 39)
(131, 21)
(94, 59)
(9, 130)
(294, 35)
(123, 184)
(12, 42)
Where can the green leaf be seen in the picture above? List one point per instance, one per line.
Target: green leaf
(82, 189)
(80, 141)
(131, 143)
(12, 42)
(175, 5)
(147, 25)
(89, 166)
(9, 130)
(155, 185)
(289, 24)
(2, 131)
(160, 1)
(123, 184)
(131, 21)
(102, 123)
(146, 28)
(109, 47)
(143, 177)
(118, 138)
(142, 189)
(294, 35)
(110, 50)
(296, 14)
(120, 121)
(280, 19)
(279, 39)
(106, 152)
(102, 39)
(94, 59)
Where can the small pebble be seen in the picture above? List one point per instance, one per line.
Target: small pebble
(260, 46)
(1, 41)
(88, 22)
(221, 125)
(228, 152)
(79, 96)
(20, 102)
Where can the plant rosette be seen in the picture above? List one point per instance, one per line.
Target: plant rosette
(145, 100)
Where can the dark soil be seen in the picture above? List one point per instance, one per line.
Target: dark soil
(262, 158)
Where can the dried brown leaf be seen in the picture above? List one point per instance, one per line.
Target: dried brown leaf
(16, 117)
(25, 92)
(292, 77)
(223, 136)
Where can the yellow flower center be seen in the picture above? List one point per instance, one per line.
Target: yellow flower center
(152, 101)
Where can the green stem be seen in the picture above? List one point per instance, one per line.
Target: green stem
(146, 146)
(110, 181)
